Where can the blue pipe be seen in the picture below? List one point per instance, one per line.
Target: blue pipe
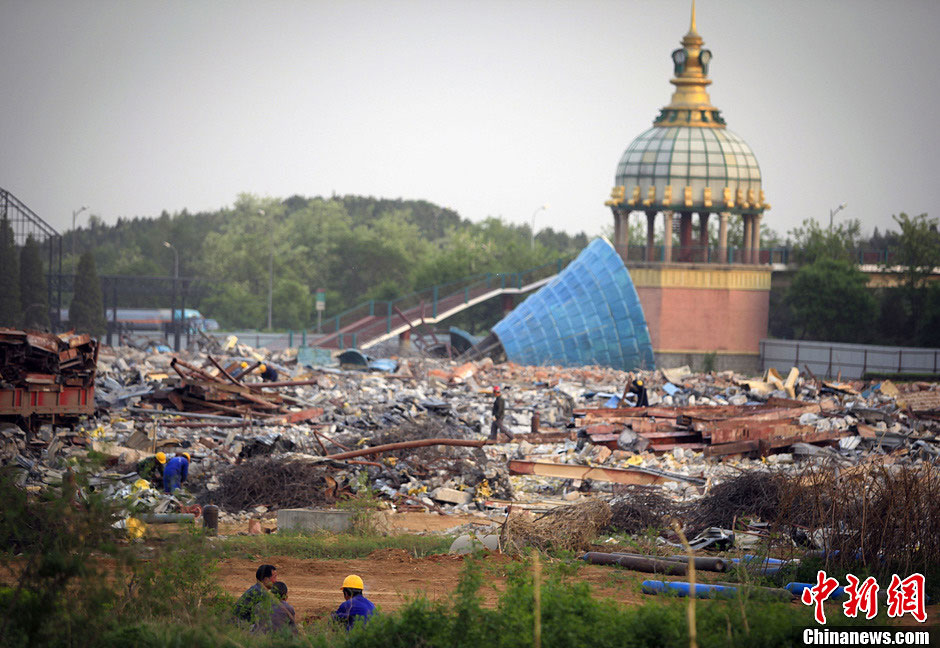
(797, 590)
(680, 588)
(752, 558)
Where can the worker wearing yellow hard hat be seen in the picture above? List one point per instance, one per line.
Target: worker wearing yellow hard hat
(639, 389)
(356, 605)
(175, 472)
(151, 469)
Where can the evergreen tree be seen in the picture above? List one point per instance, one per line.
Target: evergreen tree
(10, 314)
(33, 287)
(86, 312)
(830, 301)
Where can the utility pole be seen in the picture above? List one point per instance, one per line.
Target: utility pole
(833, 212)
(174, 322)
(532, 235)
(75, 212)
(270, 276)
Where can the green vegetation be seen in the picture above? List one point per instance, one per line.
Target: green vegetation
(908, 314)
(830, 301)
(364, 505)
(918, 252)
(10, 309)
(86, 312)
(356, 248)
(328, 545)
(63, 542)
(33, 286)
(901, 377)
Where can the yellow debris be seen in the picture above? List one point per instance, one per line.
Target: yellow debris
(135, 528)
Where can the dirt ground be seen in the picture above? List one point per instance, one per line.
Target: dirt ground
(392, 576)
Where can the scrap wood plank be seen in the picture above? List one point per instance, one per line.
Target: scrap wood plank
(639, 476)
(304, 415)
(920, 401)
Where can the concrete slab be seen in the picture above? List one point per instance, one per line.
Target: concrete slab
(451, 496)
(314, 520)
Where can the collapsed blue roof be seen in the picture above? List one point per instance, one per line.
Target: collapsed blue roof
(589, 314)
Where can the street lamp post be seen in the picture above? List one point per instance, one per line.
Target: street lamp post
(75, 213)
(174, 323)
(270, 275)
(532, 237)
(176, 262)
(833, 212)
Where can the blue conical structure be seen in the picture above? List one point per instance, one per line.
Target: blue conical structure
(589, 314)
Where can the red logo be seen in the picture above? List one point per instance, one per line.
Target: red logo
(907, 596)
(819, 593)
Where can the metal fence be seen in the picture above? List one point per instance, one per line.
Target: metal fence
(276, 341)
(851, 361)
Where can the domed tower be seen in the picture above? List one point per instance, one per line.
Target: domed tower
(689, 163)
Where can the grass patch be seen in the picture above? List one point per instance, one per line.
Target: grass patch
(901, 377)
(328, 545)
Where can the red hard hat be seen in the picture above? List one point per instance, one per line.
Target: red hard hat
(495, 388)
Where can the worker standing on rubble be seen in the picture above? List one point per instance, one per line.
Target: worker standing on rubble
(355, 605)
(499, 412)
(151, 469)
(638, 387)
(175, 472)
(268, 374)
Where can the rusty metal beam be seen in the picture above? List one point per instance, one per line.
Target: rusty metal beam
(404, 445)
(616, 475)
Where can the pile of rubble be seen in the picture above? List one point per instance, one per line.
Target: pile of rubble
(576, 431)
(33, 360)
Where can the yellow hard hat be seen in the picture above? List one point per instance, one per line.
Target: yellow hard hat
(639, 382)
(262, 368)
(161, 457)
(188, 456)
(244, 365)
(353, 582)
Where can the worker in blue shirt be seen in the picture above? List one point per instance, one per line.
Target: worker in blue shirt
(356, 605)
(175, 472)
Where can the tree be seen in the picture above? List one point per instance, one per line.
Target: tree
(86, 312)
(33, 287)
(293, 305)
(918, 252)
(811, 242)
(10, 309)
(830, 301)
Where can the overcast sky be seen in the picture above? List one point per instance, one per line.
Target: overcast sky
(491, 108)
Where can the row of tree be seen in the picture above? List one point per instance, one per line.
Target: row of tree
(355, 248)
(830, 299)
(24, 287)
(360, 248)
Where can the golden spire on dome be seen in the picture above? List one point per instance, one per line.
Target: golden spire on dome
(690, 104)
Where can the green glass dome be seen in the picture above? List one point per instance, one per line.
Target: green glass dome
(674, 158)
(688, 161)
